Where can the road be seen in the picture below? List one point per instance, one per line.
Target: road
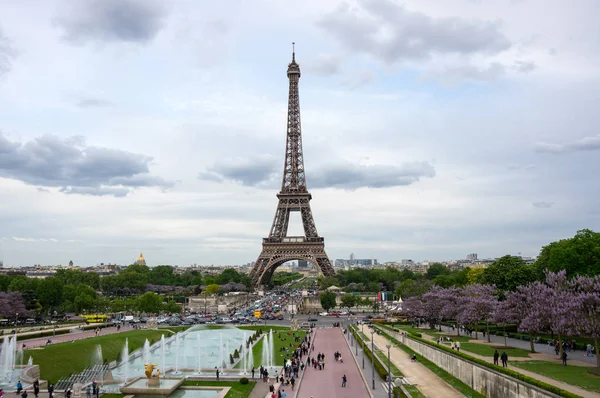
(328, 382)
(75, 334)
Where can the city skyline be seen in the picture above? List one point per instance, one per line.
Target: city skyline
(430, 130)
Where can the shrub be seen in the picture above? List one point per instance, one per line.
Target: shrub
(236, 353)
(231, 359)
(244, 380)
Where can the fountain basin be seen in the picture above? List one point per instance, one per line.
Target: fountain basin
(145, 386)
(195, 392)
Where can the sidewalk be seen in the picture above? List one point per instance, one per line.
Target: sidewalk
(567, 387)
(366, 369)
(430, 384)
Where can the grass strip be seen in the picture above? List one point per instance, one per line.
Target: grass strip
(581, 376)
(238, 390)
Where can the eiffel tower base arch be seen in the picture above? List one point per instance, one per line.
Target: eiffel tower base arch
(274, 254)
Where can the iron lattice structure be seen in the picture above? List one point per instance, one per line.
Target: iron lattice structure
(279, 248)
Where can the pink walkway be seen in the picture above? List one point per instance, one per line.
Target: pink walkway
(327, 383)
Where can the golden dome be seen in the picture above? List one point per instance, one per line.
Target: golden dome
(141, 260)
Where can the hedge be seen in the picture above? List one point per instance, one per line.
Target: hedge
(45, 333)
(379, 367)
(499, 369)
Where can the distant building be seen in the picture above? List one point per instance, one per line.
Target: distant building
(302, 264)
(472, 256)
(140, 260)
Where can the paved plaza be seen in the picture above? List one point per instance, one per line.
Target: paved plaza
(328, 382)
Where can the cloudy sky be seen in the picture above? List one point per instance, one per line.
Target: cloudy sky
(432, 128)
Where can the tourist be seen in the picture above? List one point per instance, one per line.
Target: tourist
(590, 350)
(283, 394)
(252, 373)
(496, 356)
(19, 386)
(50, 391)
(457, 345)
(504, 358)
(36, 387)
(88, 391)
(564, 358)
(217, 373)
(24, 394)
(344, 380)
(293, 382)
(68, 393)
(1, 393)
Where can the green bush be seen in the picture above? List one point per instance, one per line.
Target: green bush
(499, 369)
(244, 380)
(379, 367)
(231, 359)
(236, 354)
(45, 333)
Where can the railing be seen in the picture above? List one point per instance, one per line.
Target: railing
(93, 373)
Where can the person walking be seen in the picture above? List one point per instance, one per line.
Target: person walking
(88, 392)
(217, 374)
(457, 345)
(283, 394)
(36, 388)
(50, 391)
(496, 356)
(504, 359)
(564, 358)
(19, 386)
(344, 381)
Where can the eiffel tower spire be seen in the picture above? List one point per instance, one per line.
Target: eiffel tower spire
(279, 248)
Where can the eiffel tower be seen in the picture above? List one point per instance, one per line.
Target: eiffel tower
(279, 248)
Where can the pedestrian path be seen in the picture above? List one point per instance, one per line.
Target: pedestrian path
(567, 387)
(328, 382)
(430, 384)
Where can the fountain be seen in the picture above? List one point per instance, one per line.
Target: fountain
(153, 384)
(7, 358)
(243, 354)
(97, 355)
(228, 353)
(146, 351)
(162, 349)
(20, 356)
(198, 344)
(125, 360)
(177, 353)
(30, 361)
(221, 362)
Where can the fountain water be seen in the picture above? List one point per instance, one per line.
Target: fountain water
(20, 356)
(30, 361)
(162, 353)
(125, 360)
(146, 351)
(199, 362)
(265, 351)
(177, 353)
(97, 355)
(227, 352)
(243, 354)
(7, 358)
(221, 362)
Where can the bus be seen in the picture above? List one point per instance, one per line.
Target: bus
(257, 314)
(95, 318)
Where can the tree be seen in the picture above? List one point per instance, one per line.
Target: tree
(579, 255)
(49, 293)
(172, 307)
(587, 295)
(507, 273)
(348, 300)
(11, 304)
(212, 289)
(435, 270)
(328, 281)
(562, 306)
(149, 302)
(84, 302)
(412, 288)
(479, 303)
(328, 300)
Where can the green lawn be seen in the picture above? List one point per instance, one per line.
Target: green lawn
(488, 351)
(61, 359)
(575, 375)
(237, 390)
(282, 337)
(414, 391)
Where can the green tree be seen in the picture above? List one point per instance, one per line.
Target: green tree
(212, 289)
(348, 300)
(328, 300)
(49, 293)
(412, 288)
(579, 255)
(435, 270)
(84, 302)
(327, 281)
(162, 275)
(229, 275)
(149, 302)
(507, 273)
(372, 287)
(172, 307)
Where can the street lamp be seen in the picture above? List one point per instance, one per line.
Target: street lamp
(373, 357)
(388, 346)
(363, 351)
(356, 344)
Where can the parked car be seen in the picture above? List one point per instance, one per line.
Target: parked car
(313, 319)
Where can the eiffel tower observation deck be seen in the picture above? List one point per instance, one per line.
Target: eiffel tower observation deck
(278, 247)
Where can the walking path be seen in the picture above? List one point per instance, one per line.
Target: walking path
(328, 382)
(430, 384)
(368, 372)
(567, 387)
(75, 334)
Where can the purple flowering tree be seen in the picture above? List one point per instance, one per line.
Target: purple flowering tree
(433, 304)
(563, 307)
(587, 296)
(451, 305)
(412, 308)
(478, 304)
(528, 308)
(11, 304)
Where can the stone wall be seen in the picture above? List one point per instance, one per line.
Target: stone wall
(197, 303)
(488, 382)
